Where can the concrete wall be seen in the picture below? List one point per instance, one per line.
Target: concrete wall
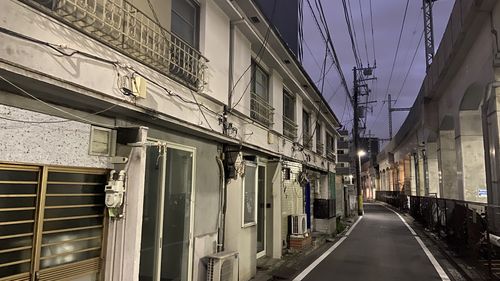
(238, 238)
(63, 142)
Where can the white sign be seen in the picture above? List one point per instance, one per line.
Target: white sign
(482, 193)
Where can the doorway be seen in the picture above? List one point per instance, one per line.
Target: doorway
(166, 246)
(261, 211)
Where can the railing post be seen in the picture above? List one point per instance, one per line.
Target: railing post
(445, 219)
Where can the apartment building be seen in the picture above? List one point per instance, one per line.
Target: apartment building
(141, 138)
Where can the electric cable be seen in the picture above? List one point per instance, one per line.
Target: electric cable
(394, 60)
(258, 59)
(409, 68)
(364, 30)
(52, 106)
(56, 121)
(61, 50)
(373, 35)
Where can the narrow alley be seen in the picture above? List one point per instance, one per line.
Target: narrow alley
(379, 247)
(240, 140)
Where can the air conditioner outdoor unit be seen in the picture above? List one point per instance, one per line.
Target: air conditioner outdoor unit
(298, 224)
(223, 266)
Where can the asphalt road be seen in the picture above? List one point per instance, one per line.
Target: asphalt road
(379, 248)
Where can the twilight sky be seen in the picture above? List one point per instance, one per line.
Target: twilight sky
(387, 20)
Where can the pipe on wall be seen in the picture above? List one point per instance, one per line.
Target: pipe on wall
(221, 225)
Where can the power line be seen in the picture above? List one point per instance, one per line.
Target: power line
(394, 60)
(373, 35)
(55, 121)
(332, 47)
(409, 68)
(258, 59)
(52, 106)
(350, 14)
(364, 31)
(397, 47)
(351, 33)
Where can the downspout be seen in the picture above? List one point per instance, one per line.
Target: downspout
(231, 62)
(486, 138)
(221, 225)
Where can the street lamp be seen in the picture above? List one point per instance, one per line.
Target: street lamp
(360, 153)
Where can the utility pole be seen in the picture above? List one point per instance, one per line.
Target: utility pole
(428, 32)
(391, 109)
(368, 71)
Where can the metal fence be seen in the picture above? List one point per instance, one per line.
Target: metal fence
(260, 110)
(468, 228)
(289, 128)
(119, 24)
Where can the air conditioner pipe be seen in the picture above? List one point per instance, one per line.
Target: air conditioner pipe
(221, 224)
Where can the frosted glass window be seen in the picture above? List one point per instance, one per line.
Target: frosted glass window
(249, 195)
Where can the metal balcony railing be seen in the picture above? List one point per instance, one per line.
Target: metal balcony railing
(307, 140)
(320, 148)
(260, 110)
(122, 26)
(289, 128)
(330, 154)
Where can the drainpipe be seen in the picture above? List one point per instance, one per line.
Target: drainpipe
(231, 62)
(486, 138)
(221, 225)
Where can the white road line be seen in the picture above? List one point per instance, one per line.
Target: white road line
(325, 254)
(403, 220)
(353, 226)
(432, 259)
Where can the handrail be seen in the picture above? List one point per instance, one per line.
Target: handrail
(260, 110)
(122, 26)
(289, 127)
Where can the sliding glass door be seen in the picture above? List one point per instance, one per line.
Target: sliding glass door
(166, 246)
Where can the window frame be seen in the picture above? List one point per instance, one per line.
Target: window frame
(293, 99)
(41, 219)
(307, 139)
(255, 67)
(161, 201)
(243, 197)
(196, 25)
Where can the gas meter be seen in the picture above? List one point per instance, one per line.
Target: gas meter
(115, 190)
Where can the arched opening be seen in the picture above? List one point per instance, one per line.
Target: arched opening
(447, 159)
(471, 172)
(431, 167)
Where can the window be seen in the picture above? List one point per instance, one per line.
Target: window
(260, 82)
(100, 141)
(260, 108)
(306, 128)
(340, 151)
(289, 125)
(51, 222)
(250, 196)
(185, 15)
(343, 164)
(319, 142)
(288, 105)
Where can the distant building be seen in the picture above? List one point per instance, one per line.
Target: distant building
(286, 16)
(344, 158)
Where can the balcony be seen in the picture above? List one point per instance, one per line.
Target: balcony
(260, 110)
(330, 154)
(122, 26)
(289, 128)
